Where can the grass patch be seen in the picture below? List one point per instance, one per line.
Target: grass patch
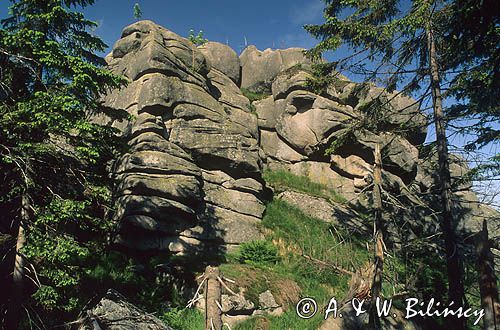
(295, 234)
(292, 277)
(283, 180)
(184, 319)
(252, 96)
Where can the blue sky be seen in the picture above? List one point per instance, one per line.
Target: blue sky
(275, 24)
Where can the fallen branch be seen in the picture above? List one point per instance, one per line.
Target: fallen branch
(329, 265)
(225, 286)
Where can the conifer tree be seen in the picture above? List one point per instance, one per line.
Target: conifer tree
(137, 11)
(52, 155)
(412, 46)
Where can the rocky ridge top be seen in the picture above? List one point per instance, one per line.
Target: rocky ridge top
(191, 181)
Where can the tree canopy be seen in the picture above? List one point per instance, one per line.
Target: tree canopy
(52, 155)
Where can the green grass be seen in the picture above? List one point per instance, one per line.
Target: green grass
(184, 319)
(294, 233)
(283, 180)
(302, 234)
(252, 96)
(291, 277)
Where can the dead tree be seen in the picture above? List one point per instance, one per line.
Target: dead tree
(213, 312)
(212, 281)
(378, 236)
(14, 310)
(487, 280)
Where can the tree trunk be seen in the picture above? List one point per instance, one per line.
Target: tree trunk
(213, 315)
(14, 310)
(378, 238)
(448, 225)
(487, 281)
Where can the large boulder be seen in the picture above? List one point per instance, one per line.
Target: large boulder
(289, 80)
(145, 47)
(260, 68)
(223, 58)
(233, 207)
(466, 205)
(268, 112)
(275, 148)
(114, 312)
(188, 116)
(351, 166)
(398, 155)
(310, 121)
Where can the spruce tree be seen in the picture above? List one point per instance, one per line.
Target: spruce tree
(53, 156)
(137, 11)
(406, 45)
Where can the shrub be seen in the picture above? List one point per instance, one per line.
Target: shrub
(258, 252)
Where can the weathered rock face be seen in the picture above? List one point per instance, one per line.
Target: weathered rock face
(224, 59)
(259, 68)
(296, 126)
(191, 176)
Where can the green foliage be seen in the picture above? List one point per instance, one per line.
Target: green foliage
(470, 47)
(282, 180)
(295, 233)
(258, 252)
(323, 76)
(60, 252)
(197, 39)
(137, 11)
(184, 319)
(252, 96)
(51, 151)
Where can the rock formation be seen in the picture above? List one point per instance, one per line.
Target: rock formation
(192, 173)
(191, 179)
(114, 312)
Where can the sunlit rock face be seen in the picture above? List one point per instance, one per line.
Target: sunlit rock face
(191, 176)
(191, 179)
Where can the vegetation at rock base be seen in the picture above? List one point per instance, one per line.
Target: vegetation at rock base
(252, 96)
(282, 179)
(184, 318)
(414, 47)
(258, 252)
